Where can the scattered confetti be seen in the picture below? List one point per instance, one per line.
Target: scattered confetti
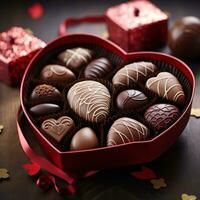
(158, 183)
(188, 197)
(36, 11)
(195, 112)
(145, 174)
(4, 173)
(1, 128)
(32, 169)
(104, 35)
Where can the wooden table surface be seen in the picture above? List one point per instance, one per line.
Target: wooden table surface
(179, 166)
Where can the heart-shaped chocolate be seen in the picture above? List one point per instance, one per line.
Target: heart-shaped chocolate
(57, 129)
(167, 86)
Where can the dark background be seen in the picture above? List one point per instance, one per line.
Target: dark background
(179, 166)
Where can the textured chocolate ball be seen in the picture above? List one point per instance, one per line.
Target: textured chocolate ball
(44, 109)
(75, 58)
(58, 129)
(90, 100)
(134, 72)
(57, 73)
(125, 130)
(44, 93)
(85, 138)
(184, 37)
(98, 68)
(161, 116)
(131, 99)
(167, 86)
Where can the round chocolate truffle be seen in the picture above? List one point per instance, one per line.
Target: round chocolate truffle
(125, 130)
(184, 37)
(134, 72)
(44, 93)
(98, 68)
(44, 109)
(85, 138)
(167, 86)
(161, 116)
(57, 129)
(90, 100)
(57, 73)
(131, 99)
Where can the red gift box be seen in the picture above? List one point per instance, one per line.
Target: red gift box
(137, 25)
(113, 156)
(17, 48)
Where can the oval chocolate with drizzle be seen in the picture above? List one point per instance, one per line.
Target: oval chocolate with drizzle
(131, 99)
(125, 130)
(134, 72)
(90, 100)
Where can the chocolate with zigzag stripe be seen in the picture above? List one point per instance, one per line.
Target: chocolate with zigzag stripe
(161, 116)
(90, 100)
(134, 72)
(75, 58)
(125, 130)
(167, 86)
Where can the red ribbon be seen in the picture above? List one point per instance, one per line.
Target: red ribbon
(73, 21)
(41, 161)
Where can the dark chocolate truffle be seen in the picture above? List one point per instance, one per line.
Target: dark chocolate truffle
(161, 116)
(75, 58)
(125, 130)
(134, 72)
(167, 86)
(44, 109)
(85, 138)
(98, 68)
(57, 73)
(57, 129)
(184, 37)
(44, 93)
(90, 100)
(131, 99)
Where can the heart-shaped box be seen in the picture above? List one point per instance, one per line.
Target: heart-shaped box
(120, 155)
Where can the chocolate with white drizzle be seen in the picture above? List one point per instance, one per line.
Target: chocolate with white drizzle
(134, 72)
(125, 130)
(90, 100)
(167, 86)
(75, 58)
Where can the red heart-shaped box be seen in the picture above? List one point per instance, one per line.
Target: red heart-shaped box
(120, 155)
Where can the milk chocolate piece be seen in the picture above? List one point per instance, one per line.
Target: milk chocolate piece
(90, 100)
(44, 109)
(57, 129)
(131, 99)
(134, 72)
(161, 116)
(85, 138)
(167, 86)
(98, 68)
(75, 58)
(44, 93)
(184, 37)
(57, 73)
(125, 130)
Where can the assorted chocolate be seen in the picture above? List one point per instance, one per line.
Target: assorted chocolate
(137, 72)
(184, 37)
(87, 101)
